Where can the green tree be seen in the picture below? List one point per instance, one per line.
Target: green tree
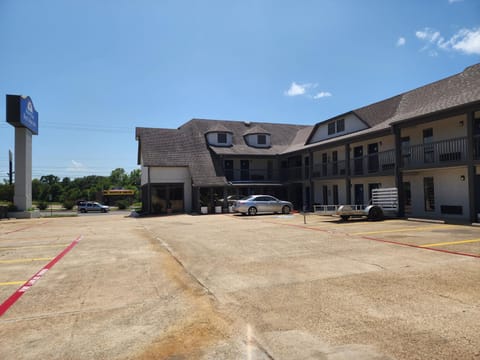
(119, 178)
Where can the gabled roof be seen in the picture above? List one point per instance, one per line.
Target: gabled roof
(187, 146)
(255, 130)
(218, 128)
(455, 91)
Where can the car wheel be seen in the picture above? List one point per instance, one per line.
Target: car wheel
(83, 211)
(252, 211)
(375, 214)
(104, 211)
(286, 209)
(345, 217)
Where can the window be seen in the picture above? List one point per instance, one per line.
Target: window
(428, 151)
(405, 149)
(340, 125)
(222, 138)
(429, 194)
(331, 128)
(336, 126)
(261, 139)
(334, 162)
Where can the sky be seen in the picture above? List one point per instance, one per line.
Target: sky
(97, 69)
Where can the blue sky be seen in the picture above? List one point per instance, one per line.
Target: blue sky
(96, 69)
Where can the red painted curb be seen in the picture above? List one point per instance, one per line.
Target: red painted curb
(25, 287)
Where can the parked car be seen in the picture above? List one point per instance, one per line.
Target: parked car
(231, 199)
(254, 204)
(86, 206)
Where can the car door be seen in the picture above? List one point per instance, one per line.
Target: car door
(271, 204)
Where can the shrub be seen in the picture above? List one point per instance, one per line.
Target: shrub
(42, 205)
(68, 204)
(123, 204)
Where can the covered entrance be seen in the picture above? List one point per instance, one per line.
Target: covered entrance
(166, 198)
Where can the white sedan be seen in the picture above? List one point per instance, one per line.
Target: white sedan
(255, 204)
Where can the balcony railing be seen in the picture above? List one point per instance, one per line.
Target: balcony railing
(435, 153)
(476, 147)
(252, 175)
(381, 163)
(329, 169)
(259, 175)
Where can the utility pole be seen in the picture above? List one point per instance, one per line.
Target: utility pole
(10, 167)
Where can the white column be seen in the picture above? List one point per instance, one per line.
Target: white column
(22, 198)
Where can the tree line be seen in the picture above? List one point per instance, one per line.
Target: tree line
(50, 188)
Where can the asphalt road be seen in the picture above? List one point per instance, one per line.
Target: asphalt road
(237, 287)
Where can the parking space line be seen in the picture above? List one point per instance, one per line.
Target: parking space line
(12, 283)
(30, 247)
(15, 261)
(22, 228)
(399, 230)
(421, 247)
(38, 275)
(424, 247)
(451, 243)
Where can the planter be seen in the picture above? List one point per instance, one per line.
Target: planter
(218, 209)
(204, 210)
(35, 214)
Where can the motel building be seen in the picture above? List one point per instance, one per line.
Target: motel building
(425, 142)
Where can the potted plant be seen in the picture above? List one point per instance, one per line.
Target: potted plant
(204, 204)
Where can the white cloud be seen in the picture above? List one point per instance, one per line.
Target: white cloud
(322, 94)
(454, 1)
(297, 89)
(465, 40)
(76, 166)
(428, 35)
(401, 41)
(306, 90)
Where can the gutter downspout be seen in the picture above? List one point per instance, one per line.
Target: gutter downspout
(149, 191)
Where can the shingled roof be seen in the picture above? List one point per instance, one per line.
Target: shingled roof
(187, 146)
(455, 91)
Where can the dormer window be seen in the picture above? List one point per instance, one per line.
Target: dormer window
(221, 138)
(340, 125)
(336, 126)
(257, 137)
(331, 128)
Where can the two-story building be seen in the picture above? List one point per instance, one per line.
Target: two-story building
(425, 142)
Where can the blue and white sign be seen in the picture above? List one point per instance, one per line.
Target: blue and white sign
(21, 112)
(28, 115)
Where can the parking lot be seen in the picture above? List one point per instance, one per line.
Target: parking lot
(238, 287)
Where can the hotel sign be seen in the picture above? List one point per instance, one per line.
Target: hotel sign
(21, 113)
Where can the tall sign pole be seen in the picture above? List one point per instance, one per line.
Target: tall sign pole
(22, 115)
(10, 167)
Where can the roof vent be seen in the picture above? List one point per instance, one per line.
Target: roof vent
(247, 123)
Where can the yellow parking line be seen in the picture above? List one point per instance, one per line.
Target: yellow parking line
(23, 260)
(451, 243)
(31, 247)
(12, 283)
(400, 230)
